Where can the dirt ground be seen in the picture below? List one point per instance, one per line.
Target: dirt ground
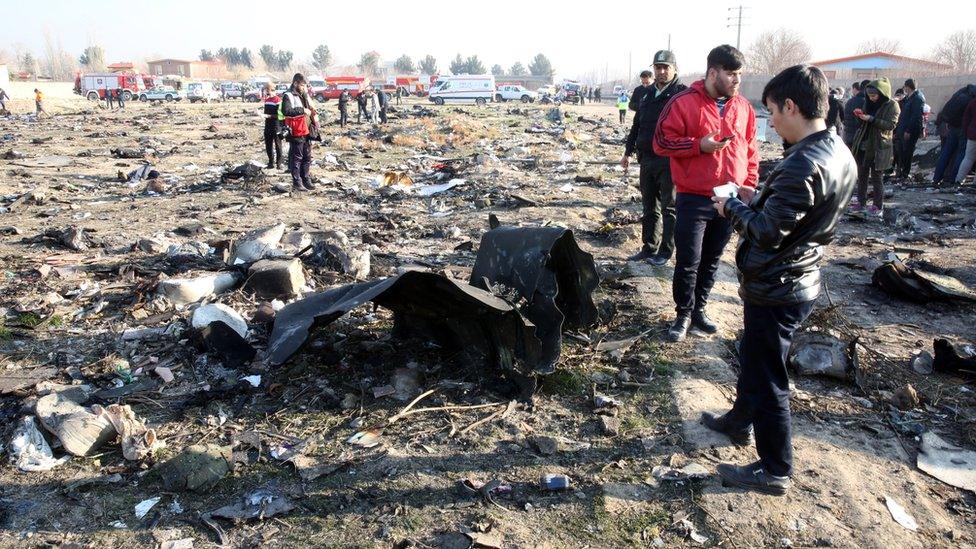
(64, 312)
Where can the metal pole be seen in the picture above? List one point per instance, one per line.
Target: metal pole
(738, 35)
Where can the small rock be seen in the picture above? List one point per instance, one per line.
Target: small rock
(610, 425)
(905, 398)
(274, 278)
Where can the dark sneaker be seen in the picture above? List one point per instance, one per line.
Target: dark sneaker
(720, 424)
(702, 323)
(309, 185)
(298, 187)
(658, 261)
(753, 477)
(642, 255)
(679, 329)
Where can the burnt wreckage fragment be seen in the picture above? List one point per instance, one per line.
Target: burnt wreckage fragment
(550, 272)
(544, 266)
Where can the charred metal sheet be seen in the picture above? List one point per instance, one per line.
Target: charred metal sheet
(546, 267)
(453, 314)
(898, 279)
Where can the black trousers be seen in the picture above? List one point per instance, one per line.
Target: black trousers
(272, 144)
(906, 152)
(299, 160)
(343, 117)
(623, 116)
(657, 196)
(700, 236)
(763, 389)
(867, 173)
(383, 114)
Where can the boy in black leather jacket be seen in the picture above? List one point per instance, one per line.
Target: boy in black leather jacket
(783, 229)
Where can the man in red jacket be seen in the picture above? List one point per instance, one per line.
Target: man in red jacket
(709, 133)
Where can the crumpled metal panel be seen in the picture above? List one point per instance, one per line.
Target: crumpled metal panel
(547, 268)
(454, 314)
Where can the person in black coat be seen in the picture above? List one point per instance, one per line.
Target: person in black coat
(835, 112)
(852, 122)
(647, 80)
(361, 103)
(657, 189)
(909, 128)
(783, 231)
(383, 100)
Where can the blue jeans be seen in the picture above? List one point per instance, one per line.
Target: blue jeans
(951, 156)
(700, 236)
(762, 396)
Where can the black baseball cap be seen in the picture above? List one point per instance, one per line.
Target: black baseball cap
(664, 57)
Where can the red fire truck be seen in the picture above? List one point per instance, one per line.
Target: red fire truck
(93, 85)
(335, 85)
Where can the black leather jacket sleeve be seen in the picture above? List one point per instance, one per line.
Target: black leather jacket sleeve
(785, 201)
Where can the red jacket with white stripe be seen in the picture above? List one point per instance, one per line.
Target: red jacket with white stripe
(690, 116)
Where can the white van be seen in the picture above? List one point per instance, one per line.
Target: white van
(463, 88)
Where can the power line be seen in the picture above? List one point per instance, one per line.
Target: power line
(735, 20)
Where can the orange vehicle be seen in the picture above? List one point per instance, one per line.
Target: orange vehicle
(335, 85)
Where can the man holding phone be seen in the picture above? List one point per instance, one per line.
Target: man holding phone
(709, 133)
(783, 231)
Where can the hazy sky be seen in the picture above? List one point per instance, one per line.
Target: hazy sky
(602, 35)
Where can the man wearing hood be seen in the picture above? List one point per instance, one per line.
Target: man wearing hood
(657, 190)
(954, 146)
(874, 144)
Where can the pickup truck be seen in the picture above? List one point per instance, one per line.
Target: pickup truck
(161, 93)
(515, 93)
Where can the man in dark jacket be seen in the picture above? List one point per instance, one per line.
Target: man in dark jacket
(361, 104)
(647, 80)
(272, 126)
(598, 95)
(909, 128)
(955, 144)
(383, 100)
(657, 190)
(835, 112)
(851, 122)
(783, 230)
(296, 112)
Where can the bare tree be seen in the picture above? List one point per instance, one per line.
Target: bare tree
(58, 63)
(958, 50)
(776, 50)
(885, 45)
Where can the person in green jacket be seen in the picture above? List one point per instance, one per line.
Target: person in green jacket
(874, 144)
(622, 102)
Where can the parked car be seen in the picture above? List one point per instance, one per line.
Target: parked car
(515, 93)
(618, 89)
(232, 90)
(204, 92)
(162, 93)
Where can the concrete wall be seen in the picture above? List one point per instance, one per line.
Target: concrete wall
(937, 89)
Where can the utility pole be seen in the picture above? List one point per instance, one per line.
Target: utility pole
(669, 41)
(735, 20)
(630, 66)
